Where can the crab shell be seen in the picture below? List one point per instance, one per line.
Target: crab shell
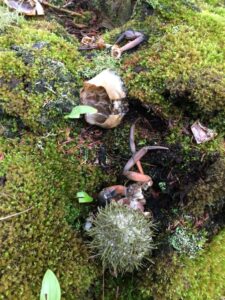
(106, 93)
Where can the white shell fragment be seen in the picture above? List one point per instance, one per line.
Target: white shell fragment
(201, 133)
(26, 7)
(106, 93)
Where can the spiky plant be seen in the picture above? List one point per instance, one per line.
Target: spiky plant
(122, 237)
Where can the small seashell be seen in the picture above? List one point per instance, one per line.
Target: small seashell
(106, 93)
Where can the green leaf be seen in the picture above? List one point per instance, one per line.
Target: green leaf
(50, 289)
(80, 110)
(83, 197)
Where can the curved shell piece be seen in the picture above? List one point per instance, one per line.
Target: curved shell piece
(29, 7)
(106, 93)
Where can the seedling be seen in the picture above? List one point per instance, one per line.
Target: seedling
(50, 289)
(81, 110)
(83, 197)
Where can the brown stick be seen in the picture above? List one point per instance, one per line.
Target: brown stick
(16, 214)
(72, 13)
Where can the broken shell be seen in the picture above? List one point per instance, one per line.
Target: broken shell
(106, 93)
(201, 133)
(86, 40)
(94, 42)
(116, 52)
(28, 7)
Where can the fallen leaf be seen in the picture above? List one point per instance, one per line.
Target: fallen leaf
(201, 133)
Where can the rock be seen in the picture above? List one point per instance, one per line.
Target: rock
(118, 11)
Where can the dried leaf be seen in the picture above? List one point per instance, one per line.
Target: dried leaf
(201, 133)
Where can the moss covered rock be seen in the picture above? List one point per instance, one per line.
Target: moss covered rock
(118, 11)
(39, 74)
(181, 66)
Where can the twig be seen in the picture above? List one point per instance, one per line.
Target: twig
(16, 214)
(103, 283)
(72, 13)
(117, 292)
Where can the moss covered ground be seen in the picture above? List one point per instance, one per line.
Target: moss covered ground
(38, 175)
(177, 75)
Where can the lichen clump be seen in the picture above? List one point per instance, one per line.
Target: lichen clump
(122, 237)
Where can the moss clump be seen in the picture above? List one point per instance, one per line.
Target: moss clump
(122, 237)
(39, 74)
(181, 67)
(208, 193)
(39, 176)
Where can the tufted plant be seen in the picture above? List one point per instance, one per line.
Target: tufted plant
(45, 180)
(122, 238)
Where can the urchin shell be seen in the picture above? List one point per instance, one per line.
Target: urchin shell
(122, 237)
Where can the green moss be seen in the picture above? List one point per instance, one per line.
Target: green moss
(40, 176)
(8, 18)
(179, 277)
(208, 192)
(204, 276)
(39, 74)
(181, 66)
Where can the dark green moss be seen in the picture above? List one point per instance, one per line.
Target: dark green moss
(208, 193)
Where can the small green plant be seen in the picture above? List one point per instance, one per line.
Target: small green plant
(50, 289)
(83, 197)
(122, 237)
(162, 186)
(80, 110)
(184, 240)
